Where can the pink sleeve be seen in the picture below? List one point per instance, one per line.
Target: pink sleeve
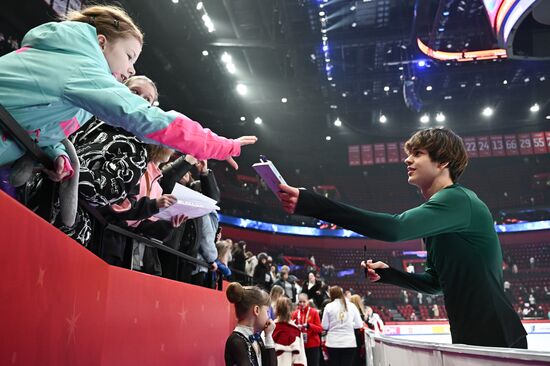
(67, 167)
(187, 136)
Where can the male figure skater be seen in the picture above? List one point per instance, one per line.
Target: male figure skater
(464, 259)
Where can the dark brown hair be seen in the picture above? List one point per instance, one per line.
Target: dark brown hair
(111, 21)
(245, 298)
(283, 308)
(443, 146)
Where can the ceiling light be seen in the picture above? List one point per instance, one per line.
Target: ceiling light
(337, 122)
(352, 8)
(425, 118)
(241, 89)
(199, 5)
(365, 92)
(429, 88)
(243, 118)
(526, 80)
(175, 1)
(547, 117)
(258, 121)
(321, 13)
(478, 84)
(534, 108)
(462, 85)
(505, 82)
(205, 53)
(226, 57)
(542, 78)
(284, 100)
(354, 24)
(383, 119)
(328, 138)
(231, 68)
(440, 117)
(386, 88)
(421, 63)
(487, 112)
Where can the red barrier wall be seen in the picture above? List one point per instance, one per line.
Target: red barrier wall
(61, 305)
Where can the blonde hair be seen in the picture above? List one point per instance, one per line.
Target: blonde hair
(245, 298)
(111, 21)
(224, 248)
(357, 301)
(276, 292)
(135, 78)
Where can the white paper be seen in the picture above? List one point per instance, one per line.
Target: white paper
(190, 203)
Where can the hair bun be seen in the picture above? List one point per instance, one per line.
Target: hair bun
(234, 292)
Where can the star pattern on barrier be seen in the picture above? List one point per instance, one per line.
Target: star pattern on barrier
(157, 304)
(40, 279)
(182, 314)
(98, 295)
(13, 358)
(162, 347)
(71, 323)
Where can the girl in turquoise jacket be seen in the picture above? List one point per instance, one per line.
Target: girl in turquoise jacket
(68, 71)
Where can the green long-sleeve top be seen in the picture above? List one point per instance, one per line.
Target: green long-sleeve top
(464, 259)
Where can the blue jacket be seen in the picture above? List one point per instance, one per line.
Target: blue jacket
(60, 78)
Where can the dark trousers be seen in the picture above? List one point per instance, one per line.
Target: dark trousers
(312, 355)
(341, 356)
(521, 343)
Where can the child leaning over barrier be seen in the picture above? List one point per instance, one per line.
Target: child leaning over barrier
(68, 71)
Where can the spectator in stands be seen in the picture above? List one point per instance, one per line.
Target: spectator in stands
(239, 260)
(273, 272)
(532, 262)
(340, 319)
(348, 294)
(283, 281)
(112, 161)
(46, 86)
(464, 255)
(214, 277)
(373, 320)
(514, 269)
(245, 346)
(262, 277)
(198, 234)
(419, 298)
(313, 288)
(359, 333)
(410, 268)
(275, 293)
(289, 344)
(413, 317)
(144, 256)
(308, 321)
(435, 311)
(251, 263)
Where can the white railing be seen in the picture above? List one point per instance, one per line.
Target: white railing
(389, 351)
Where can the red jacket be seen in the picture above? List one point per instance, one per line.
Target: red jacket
(313, 321)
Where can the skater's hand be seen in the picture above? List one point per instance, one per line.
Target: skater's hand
(370, 269)
(289, 197)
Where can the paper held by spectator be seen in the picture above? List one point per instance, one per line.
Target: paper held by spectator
(190, 203)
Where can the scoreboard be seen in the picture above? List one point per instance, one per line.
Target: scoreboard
(533, 143)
